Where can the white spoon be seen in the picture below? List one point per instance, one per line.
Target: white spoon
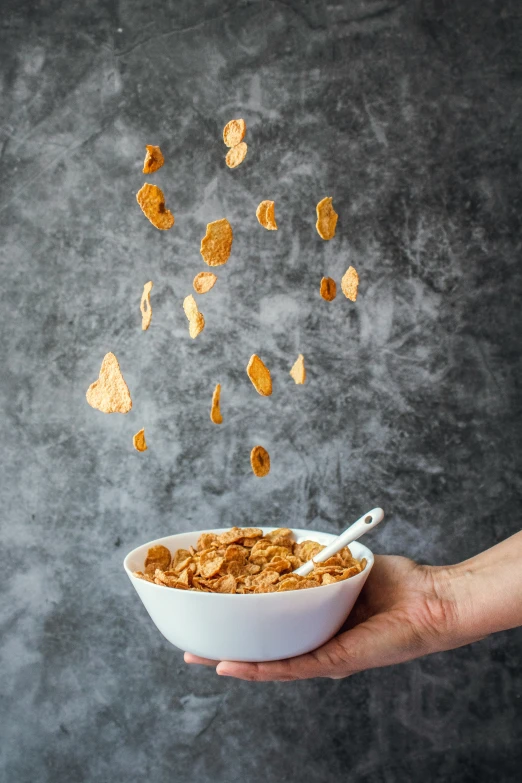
(352, 533)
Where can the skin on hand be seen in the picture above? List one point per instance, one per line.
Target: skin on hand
(404, 611)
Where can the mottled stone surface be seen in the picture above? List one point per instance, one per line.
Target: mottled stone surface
(409, 115)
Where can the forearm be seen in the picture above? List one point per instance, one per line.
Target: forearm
(486, 591)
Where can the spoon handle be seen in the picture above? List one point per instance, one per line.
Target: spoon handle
(368, 521)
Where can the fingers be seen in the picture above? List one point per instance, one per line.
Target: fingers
(378, 642)
(281, 671)
(385, 639)
(190, 658)
(278, 670)
(331, 660)
(299, 668)
(327, 661)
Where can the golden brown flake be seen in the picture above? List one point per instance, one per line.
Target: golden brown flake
(307, 549)
(215, 413)
(265, 214)
(289, 584)
(210, 563)
(260, 461)
(152, 202)
(196, 326)
(195, 318)
(237, 553)
(236, 155)
(225, 584)
(217, 242)
(206, 540)
(154, 160)
(251, 532)
(326, 219)
(139, 442)
(109, 394)
(234, 132)
(298, 371)
(328, 289)
(203, 282)
(350, 284)
(230, 536)
(145, 306)
(161, 578)
(182, 558)
(328, 579)
(267, 577)
(259, 374)
(141, 575)
(158, 556)
(279, 532)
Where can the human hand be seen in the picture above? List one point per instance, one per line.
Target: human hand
(404, 611)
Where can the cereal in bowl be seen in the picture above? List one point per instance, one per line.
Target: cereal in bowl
(244, 560)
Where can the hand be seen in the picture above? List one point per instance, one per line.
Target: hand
(404, 611)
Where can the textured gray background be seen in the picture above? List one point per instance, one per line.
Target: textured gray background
(409, 115)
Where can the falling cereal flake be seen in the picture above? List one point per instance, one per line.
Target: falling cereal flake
(236, 155)
(109, 394)
(154, 159)
(260, 461)
(350, 284)
(234, 132)
(298, 371)
(215, 413)
(152, 202)
(145, 306)
(326, 219)
(139, 442)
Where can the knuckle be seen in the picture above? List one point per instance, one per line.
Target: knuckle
(335, 660)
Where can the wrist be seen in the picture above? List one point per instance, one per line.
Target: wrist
(487, 589)
(455, 612)
(456, 585)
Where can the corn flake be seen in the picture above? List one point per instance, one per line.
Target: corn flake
(260, 461)
(203, 282)
(234, 132)
(326, 219)
(265, 214)
(195, 318)
(298, 371)
(225, 584)
(109, 394)
(159, 556)
(145, 306)
(154, 160)
(260, 376)
(215, 413)
(328, 289)
(206, 540)
(217, 243)
(138, 441)
(236, 155)
(350, 284)
(152, 202)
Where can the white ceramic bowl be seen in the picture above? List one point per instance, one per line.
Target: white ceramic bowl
(259, 627)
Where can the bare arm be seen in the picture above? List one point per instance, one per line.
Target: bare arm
(406, 611)
(487, 589)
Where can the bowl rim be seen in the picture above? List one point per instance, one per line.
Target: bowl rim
(368, 554)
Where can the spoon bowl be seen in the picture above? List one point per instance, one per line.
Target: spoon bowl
(363, 525)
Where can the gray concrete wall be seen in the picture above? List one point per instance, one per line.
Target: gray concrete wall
(408, 114)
